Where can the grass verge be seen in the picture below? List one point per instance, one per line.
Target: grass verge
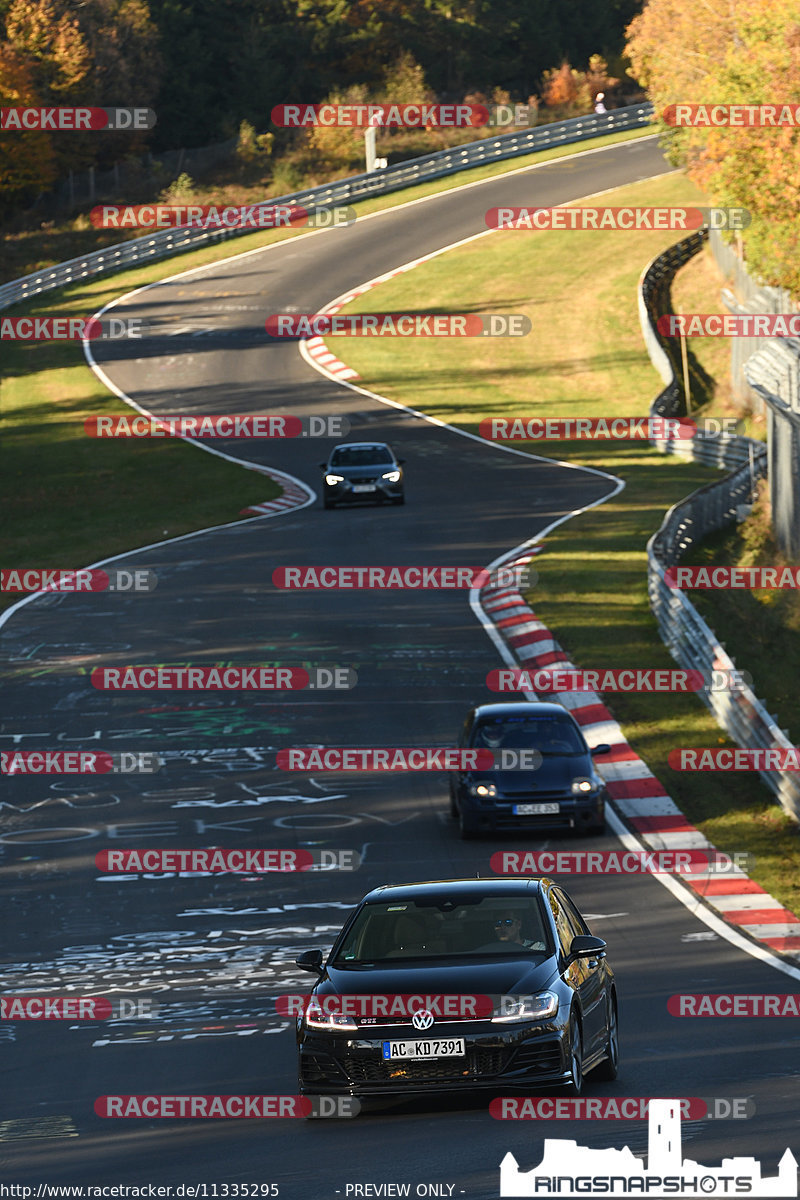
(585, 357)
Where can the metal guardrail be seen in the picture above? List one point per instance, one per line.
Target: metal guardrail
(687, 636)
(168, 242)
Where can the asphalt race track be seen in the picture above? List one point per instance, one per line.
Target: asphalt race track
(214, 952)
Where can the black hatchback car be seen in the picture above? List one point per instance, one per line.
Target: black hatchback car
(476, 983)
(563, 792)
(357, 471)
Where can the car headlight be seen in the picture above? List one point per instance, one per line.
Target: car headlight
(527, 1008)
(486, 791)
(331, 479)
(317, 1018)
(391, 476)
(581, 786)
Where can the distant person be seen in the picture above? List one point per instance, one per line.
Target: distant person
(599, 107)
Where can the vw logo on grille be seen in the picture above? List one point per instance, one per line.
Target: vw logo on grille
(422, 1019)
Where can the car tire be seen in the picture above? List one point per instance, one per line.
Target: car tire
(597, 830)
(574, 1086)
(453, 806)
(398, 500)
(328, 504)
(609, 1067)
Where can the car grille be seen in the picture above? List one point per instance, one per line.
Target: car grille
(363, 479)
(541, 1058)
(477, 1064)
(321, 1068)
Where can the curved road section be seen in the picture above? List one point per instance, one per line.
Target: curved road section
(200, 960)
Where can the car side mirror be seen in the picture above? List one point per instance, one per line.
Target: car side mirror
(311, 961)
(587, 946)
(603, 748)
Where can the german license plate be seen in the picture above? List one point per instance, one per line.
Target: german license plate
(535, 810)
(424, 1048)
(364, 487)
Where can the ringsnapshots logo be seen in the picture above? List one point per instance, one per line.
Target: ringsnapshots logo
(618, 679)
(576, 429)
(72, 119)
(79, 762)
(567, 217)
(743, 116)
(746, 325)
(570, 1171)
(223, 678)
(406, 758)
(215, 860)
(230, 425)
(22, 579)
(56, 328)
(397, 324)
(213, 216)
(620, 862)
(200, 1107)
(422, 578)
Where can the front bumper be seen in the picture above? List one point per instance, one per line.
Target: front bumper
(343, 493)
(353, 1065)
(497, 814)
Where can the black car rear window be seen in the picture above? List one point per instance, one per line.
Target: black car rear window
(364, 456)
(387, 932)
(550, 735)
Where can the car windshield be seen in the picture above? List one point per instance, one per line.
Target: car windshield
(550, 735)
(361, 456)
(493, 926)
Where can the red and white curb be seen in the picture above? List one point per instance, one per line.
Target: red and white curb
(638, 797)
(316, 346)
(295, 495)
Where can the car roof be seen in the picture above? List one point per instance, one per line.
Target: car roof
(520, 708)
(362, 446)
(440, 889)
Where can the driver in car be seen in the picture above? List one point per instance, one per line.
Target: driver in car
(508, 931)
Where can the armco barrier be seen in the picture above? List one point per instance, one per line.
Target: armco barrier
(687, 636)
(342, 191)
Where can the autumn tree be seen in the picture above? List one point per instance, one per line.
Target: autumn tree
(27, 157)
